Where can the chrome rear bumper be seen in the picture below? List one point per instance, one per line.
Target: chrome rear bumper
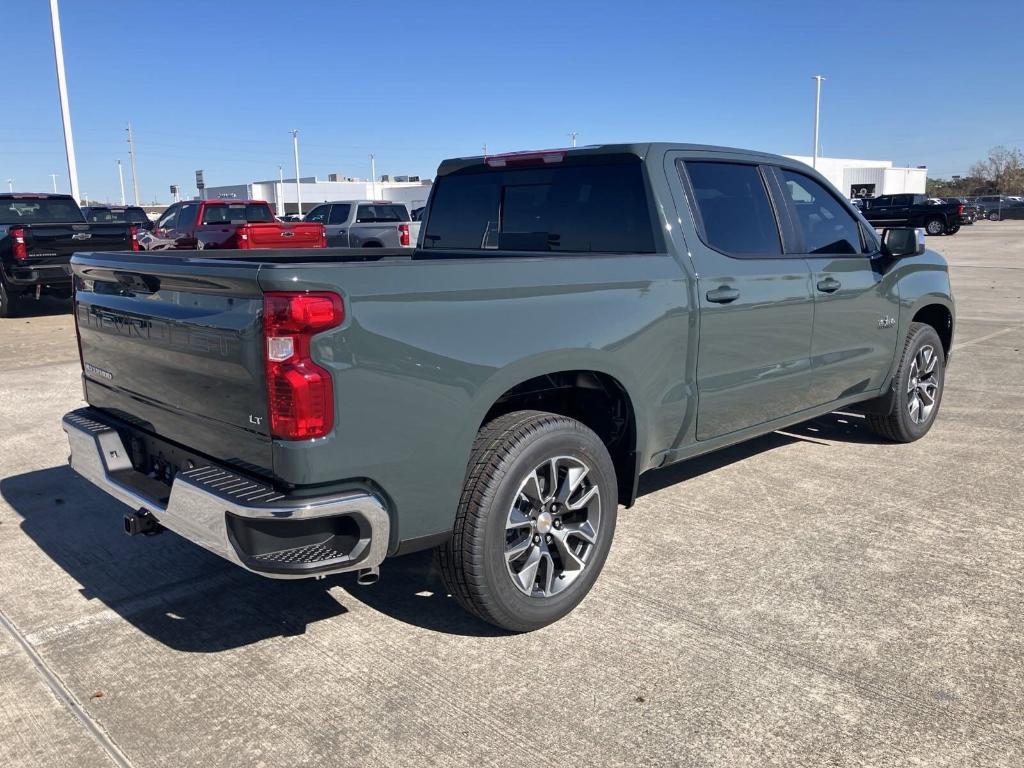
(235, 517)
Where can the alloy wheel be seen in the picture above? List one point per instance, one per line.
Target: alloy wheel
(923, 387)
(552, 527)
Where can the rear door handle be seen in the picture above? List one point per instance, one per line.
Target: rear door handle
(722, 295)
(829, 285)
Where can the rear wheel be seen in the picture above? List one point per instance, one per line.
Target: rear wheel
(7, 299)
(935, 226)
(993, 216)
(535, 521)
(917, 388)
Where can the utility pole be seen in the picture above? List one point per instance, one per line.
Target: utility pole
(10, 186)
(280, 191)
(62, 88)
(131, 158)
(298, 186)
(573, 135)
(817, 116)
(485, 149)
(120, 178)
(373, 175)
(53, 178)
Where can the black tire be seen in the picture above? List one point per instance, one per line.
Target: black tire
(953, 229)
(899, 424)
(993, 216)
(508, 451)
(935, 226)
(8, 308)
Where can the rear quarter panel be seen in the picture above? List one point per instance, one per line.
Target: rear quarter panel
(428, 346)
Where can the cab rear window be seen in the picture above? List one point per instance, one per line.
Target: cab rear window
(28, 210)
(253, 212)
(571, 208)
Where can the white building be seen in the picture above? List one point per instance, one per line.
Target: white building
(869, 178)
(314, 191)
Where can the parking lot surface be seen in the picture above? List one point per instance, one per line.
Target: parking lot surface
(815, 597)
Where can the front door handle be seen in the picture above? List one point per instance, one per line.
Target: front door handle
(722, 295)
(829, 285)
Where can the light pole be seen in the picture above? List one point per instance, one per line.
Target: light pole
(298, 187)
(573, 135)
(10, 185)
(373, 175)
(131, 157)
(279, 192)
(817, 117)
(120, 178)
(53, 178)
(62, 88)
(485, 149)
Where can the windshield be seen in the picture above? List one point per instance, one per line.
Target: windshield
(28, 210)
(252, 212)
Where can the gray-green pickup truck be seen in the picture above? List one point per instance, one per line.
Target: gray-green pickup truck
(569, 320)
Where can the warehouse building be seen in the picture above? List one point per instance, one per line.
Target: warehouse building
(869, 178)
(410, 190)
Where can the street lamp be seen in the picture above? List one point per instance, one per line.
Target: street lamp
(817, 115)
(298, 188)
(62, 89)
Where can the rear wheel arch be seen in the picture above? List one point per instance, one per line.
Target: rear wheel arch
(940, 318)
(597, 400)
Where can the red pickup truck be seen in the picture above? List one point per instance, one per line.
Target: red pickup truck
(209, 224)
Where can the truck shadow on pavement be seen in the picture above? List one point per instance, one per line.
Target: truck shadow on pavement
(26, 309)
(195, 602)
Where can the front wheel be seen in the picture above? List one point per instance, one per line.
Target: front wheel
(935, 226)
(917, 388)
(535, 521)
(993, 216)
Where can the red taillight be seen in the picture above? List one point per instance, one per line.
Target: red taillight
(242, 238)
(134, 231)
(960, 210)
(403, 234)
(18, 247)
(300, 394)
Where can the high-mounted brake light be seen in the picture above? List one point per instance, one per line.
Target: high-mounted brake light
(134, 231)
(539, 157)
(18, 249)
(403, 234)
(300, 394)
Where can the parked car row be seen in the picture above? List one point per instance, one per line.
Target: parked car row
(938, 215)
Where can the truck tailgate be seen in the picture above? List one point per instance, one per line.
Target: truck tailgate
(54, 243)
(177, 351)
(284, 235)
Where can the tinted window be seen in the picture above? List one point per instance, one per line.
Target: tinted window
(568, 208)
(252, 212)
(187, 216)
(318, 214)
(734, 208)
(168, 218)
(117, 215)
(27, 210)
(339, 214)
(381, 214)
(827, 226)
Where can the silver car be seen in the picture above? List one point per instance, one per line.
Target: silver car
(366, 224)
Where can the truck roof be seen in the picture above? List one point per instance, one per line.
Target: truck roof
(33, 196)
(640, 149)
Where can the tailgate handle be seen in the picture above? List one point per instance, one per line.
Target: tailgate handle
(138, 283)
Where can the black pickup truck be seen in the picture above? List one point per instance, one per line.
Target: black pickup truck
(38, 234)
(913, 211)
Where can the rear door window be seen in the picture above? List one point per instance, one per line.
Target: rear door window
(828, 228)
(318, 214)
(734, 210)
(577, 208)
(339, 213)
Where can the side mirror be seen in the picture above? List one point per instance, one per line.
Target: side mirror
(898, 243)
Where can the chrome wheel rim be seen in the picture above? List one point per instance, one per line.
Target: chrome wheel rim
(551, 529)
(923, 386)
(935, 227)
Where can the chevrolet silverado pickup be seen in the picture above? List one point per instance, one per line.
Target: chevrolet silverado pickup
(230, 224)
(913, 211)
(366, 224)
(571, 319)
(38, 234)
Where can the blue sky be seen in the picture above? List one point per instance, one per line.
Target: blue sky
(218, 85)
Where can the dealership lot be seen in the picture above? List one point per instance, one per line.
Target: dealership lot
(814, 597)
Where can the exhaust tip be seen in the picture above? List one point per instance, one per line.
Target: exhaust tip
(368, 576)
